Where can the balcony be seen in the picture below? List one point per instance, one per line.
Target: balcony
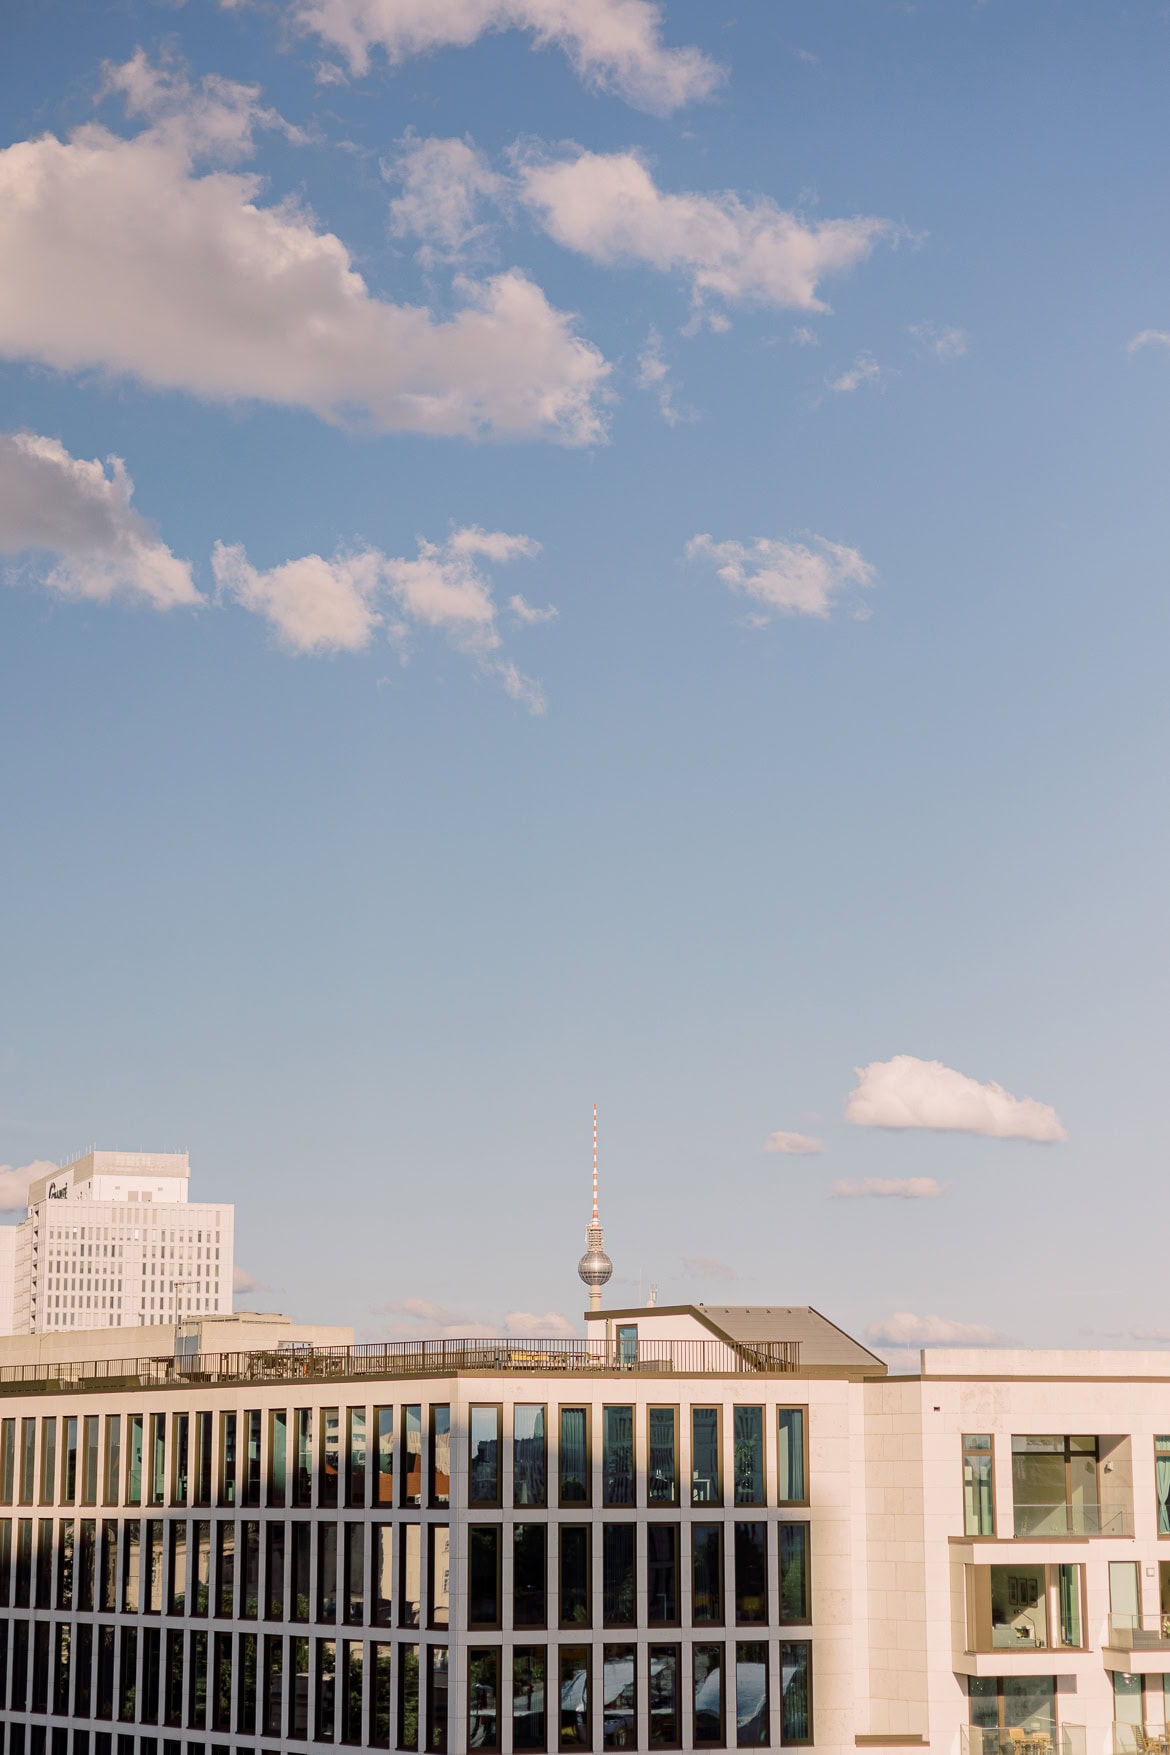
(1135, 1740)
(1016, 1740)
(1139, 1633)
(1059, 1519)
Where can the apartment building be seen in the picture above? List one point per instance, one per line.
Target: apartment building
(695, 1528)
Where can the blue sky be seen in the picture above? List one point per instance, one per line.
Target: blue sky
(812, 364)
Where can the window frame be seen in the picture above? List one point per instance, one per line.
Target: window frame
(799, 1742)
(674, 1408)
(970, 1448)
(716, 1502)
(585, 1504)
(497, 1408)
(630, 1504)
(800, 1408)
(782, 1619)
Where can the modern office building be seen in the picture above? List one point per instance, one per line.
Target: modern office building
(696, 1527)
(111, 1241)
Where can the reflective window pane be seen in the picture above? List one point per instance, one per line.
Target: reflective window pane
(748, 1455)
(792, 1487)
(663, 1689)
(574, 1456)
(619, 1697)
(483, 1697)
(662, 1456)
(707, 1574)
(706, 1486)
(617, 1456)
(529, 1455)
(574, 1730)
(483, 1486)
(707, 1667)
(751, 1697)
(529, 1711)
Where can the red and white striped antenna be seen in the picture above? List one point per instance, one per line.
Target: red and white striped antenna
(595, 1163)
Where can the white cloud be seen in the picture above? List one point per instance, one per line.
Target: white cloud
(880, 1188)
(795, 1144)
(528, 613)
(864, 370)
(316, 605)
(15, 1180)
(551, 1326)
(943, 340)
(443, 184)
(745, 252)
(803, 336)
(614, 45)
(80, 514)
(411, 1318)
(788, 578)
(1150, 338)
(654, 375)
(119, 257)
(243, 1282)
(705, 1267)
(908, 1092)
(904, 1329)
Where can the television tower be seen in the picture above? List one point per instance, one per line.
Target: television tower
(595, 1267)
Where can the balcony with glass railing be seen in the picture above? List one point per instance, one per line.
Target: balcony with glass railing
(1136, 1740)
(1028, 1740)
(1060, 1518)
(1139, 1632)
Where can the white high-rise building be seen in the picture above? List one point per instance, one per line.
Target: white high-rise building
(111, 1241)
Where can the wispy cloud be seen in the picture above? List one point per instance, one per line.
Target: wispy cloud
(444, 185)
(654, 375)
(529, 614)
(943, 340)
(864, 370)
(879, 1188)
(798, 1145)
(904, 1329)
(410, 1318)
(243, 1282)
(786, 578)
(614, 45)
(705, 1267)
(1149, 338)
(906, 1092)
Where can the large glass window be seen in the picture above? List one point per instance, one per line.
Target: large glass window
(380, 1657)
(277, 1455)
(483, 1575)
(355, 1573)
(89, 1459)
(1025, 1704)
(619, 1584)
(706, 1483)
(7, 1459)
(69, 1460)
(439, 1575)
(303, 1474)
(794, 1571)
(298, 1689)
(791, 1452)
(158, 1459)
(181, 1458)
(227, 1459)
(250, 1571)
(619, 1697)
(751, 1573)
(575, 1555)
(440, 1482)
(410, 1575)
(252, 1423)
(796, 1719)
(330, 1456)
(437, 1694)
(529, 1455)
(529, 1709)
(382, 1540)
(203, 1430)
(663, 1685)
(748, 1455)
(574, 1457)
(662, 1550)
(617, 1456)
(530, 1575)
(707, 1662)
(408, 1695)
(707, 1574)
(662, 1456)
(352, 1679)
(274, 1572)
(49, 1461)
(384, 1442)
(412, 1454)
(574, 1729)
(751, 1697)
(483, 1697)
(1162, 1483)
(302, 1534)
(355, 1456)
(483, 1478)
(1054, 1482)
(225, 1570)
(28, 1457)
(978, 1485)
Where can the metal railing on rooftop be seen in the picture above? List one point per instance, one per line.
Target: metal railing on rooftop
(708, 1358)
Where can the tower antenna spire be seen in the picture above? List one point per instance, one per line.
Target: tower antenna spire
(595, 1164)
(595, 1267)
